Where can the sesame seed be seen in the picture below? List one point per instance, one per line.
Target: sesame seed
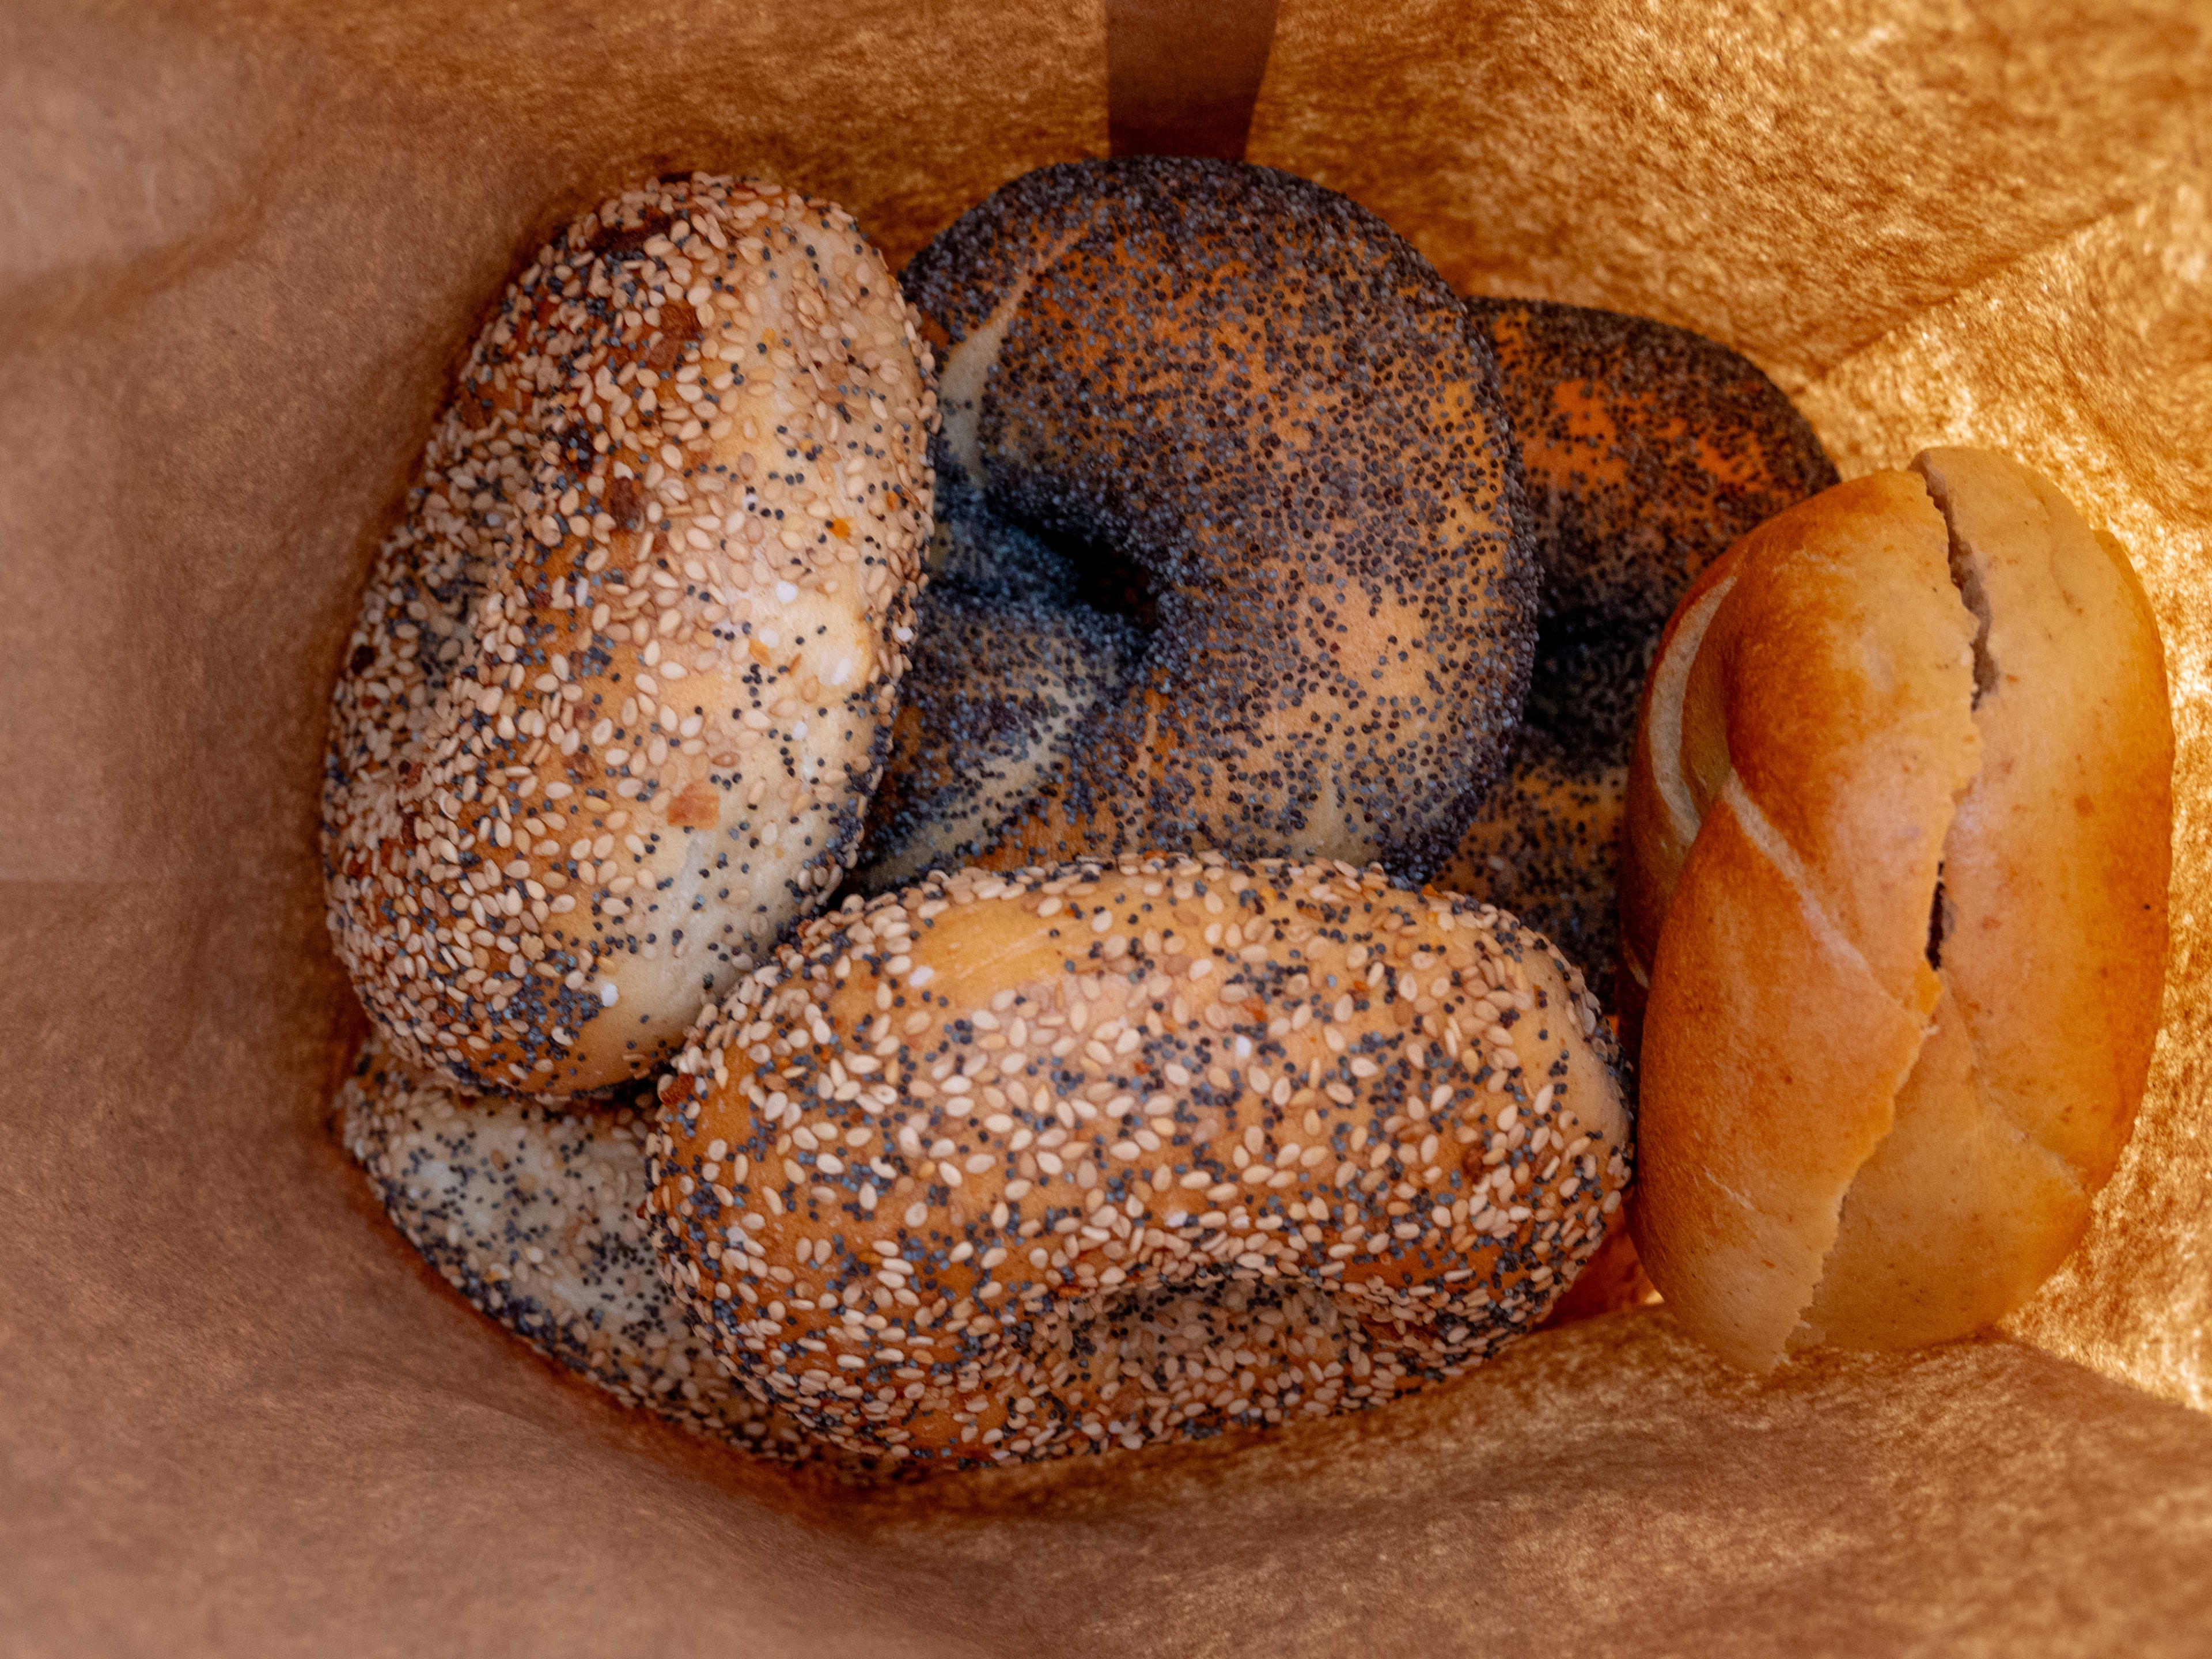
(583, 503)
(1002, 1117)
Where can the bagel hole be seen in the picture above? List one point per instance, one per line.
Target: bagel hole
(1106, 578)
(983, 550)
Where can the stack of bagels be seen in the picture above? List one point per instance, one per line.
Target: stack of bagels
(915, 937)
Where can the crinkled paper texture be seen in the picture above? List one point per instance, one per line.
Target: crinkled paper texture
(245, 244)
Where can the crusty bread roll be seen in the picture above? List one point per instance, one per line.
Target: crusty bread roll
(1005, 1167)
(1894, 877)
(619, 687)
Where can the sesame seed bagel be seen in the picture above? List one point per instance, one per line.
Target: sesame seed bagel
(620, 682)
(531, 1212)
(1646, 451)
(1006, 1167)
(1897, 853)
(1251, 416)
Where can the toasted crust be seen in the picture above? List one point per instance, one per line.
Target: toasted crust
(2053, 945)
(1776, 1057)
(1897, 882)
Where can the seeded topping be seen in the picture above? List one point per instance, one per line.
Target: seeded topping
(1008, 1166)
(621, 678)
(988, 712)
(1237, 412)
(532, 1214)
(1646, 451)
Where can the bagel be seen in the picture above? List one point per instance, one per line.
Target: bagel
(618, 694)
(1646, 450)
(1896, 857)
(1006, 1167)
(987, 715)
(1245, 414)
(530, 1211)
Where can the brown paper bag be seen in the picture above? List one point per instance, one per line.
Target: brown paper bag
(247, 240)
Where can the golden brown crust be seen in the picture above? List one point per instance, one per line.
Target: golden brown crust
(2053, 935)
(612, 706)
(1900, 879)
(1656, 833)
(1770, 1059)
(1010, 1166)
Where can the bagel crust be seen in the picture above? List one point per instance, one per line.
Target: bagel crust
(1646, 452)
(1007, 1167)
(988, 710)
(531, 1212)
(619, 687)
(1894, 875)
(1237, 408)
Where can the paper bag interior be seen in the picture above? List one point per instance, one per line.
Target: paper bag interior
(247, 245)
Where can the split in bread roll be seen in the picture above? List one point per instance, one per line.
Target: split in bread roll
(1895, 879)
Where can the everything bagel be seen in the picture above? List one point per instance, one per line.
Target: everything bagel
(531, 1212)
(1010, 1166)
(618, 690)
